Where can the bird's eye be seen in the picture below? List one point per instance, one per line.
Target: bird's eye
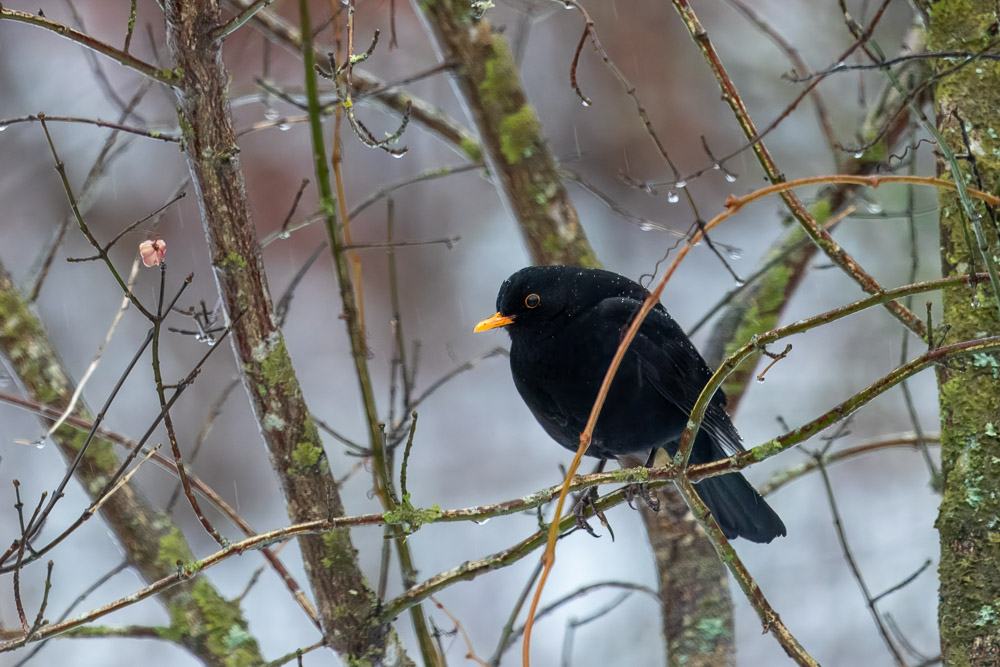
(532, 301)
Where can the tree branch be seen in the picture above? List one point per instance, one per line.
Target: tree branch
(83, 39)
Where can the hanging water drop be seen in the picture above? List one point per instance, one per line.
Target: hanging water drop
(717, 166)
(681, 184)
(673, 197)
(271, 114)
(284, 235)
(735, 254)
(730, 177)
(585, 101)
(975, 301)
(874, 207)
(40, 445)
(481, 522)
(284, 126)
(760, 380)
(859, 154)
(3, 126)
(740, 282)
(646, 226)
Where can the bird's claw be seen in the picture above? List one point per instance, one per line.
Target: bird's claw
(587, 500)
(633, 491)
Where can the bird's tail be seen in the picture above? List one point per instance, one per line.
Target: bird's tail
(739, 510)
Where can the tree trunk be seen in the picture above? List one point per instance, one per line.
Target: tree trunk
(969, 606)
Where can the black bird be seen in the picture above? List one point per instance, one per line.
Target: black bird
(565, 324)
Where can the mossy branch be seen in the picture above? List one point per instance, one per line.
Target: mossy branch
(150, 540)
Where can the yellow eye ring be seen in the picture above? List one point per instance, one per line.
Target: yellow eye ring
(532, 301)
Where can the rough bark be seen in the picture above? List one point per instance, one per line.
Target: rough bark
(202, 621)
(345, 602)
(969, 393)
(694, 586)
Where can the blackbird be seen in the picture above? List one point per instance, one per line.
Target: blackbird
(565, 324)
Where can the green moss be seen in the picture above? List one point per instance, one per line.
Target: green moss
(631, 475)
(173, 549)
(277, 370)
(225, 632)
(553, 245)
(877, 152)
(27, 347)
(308, 458)
(472, 149)
(340, 553)
(410, 517)
(501, 84)
(957, 23)
(100, 453)
(234, 260)
(586, 257)
(967, 391)
(761, 315)
(306, 454)
(519, 134)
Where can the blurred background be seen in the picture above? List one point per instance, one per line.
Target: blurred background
(476, 442)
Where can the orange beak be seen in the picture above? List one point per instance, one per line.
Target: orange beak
(497, 320)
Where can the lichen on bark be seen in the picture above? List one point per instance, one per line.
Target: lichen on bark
(969, 393)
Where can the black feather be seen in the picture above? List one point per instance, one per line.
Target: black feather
(561, 348)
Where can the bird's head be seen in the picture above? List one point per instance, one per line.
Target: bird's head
(543, 298)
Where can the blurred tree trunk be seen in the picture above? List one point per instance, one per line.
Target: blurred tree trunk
(969, 607)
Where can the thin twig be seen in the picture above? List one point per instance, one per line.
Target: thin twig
(845, 548)
(120, 127)
(83, 39)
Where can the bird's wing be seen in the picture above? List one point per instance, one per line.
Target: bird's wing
(674, 366)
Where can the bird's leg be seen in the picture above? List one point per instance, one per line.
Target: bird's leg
(587, 500)
(641, 490)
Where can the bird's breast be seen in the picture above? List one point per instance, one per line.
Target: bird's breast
(559, 379)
